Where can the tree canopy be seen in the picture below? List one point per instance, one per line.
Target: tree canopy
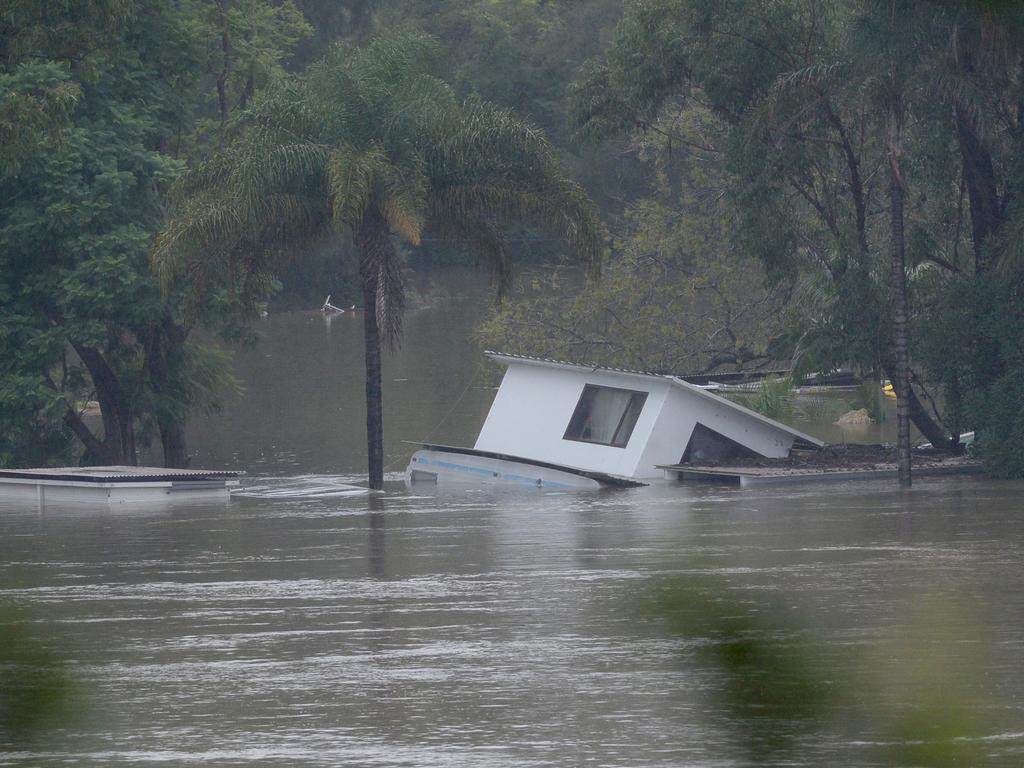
(805, 94)
(744, 157)
(369, 144)
(100, 103)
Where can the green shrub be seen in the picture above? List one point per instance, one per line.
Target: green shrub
(998, 415)
(869, 396)
(991, 374)
(775, 398)
(820, 407)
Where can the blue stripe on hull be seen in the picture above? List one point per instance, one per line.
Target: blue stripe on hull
(535, 481)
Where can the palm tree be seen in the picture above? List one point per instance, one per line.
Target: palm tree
(876, 80)
(368, 144)
(888, 39)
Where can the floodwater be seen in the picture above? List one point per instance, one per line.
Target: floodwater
(308, 626)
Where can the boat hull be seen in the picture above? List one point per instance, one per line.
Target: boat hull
(431, 466)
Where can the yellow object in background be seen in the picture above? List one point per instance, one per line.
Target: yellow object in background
(888, 389)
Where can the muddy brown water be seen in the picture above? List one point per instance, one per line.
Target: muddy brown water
(307, 626)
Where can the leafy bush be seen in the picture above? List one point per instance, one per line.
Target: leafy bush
(820, 408)
(974, 347)
(999, 417)
(775, 398)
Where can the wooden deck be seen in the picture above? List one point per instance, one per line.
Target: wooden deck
(750, 476)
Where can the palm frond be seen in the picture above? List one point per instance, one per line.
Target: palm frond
(369, 140)
(965, 96)
(388, 59)
(403, 221)
(404, 189)
(352, 177)
(421, 106)
(807, 80)
(390, 299)
(381, 273)
(1011, 241)
(205, 224)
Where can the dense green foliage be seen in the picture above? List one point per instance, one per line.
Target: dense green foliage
(98, 102)
(519, 54)
(866, 151)
(976, 349)
(367, 146)
(745, 156)
(673, 298)
(657, 307)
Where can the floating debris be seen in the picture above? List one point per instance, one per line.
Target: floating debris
(856, 418)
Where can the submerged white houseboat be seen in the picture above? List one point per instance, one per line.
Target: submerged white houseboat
(558, 424)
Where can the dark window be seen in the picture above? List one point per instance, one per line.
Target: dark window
(709, 447)
(605, 415)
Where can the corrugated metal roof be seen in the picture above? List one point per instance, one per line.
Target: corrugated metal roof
(589, 366)
(118, 474)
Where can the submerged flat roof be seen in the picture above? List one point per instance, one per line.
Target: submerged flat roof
(117, 474)
(508, 359)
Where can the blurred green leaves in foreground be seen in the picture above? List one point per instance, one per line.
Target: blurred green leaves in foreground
(786, 691)
(35, 688)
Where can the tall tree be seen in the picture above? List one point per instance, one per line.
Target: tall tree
(674, 297)
(75, 203)
(900, 311)
(971, 334)
(98, 100)
(886, 46)
(802, 145)
(370, 145)
(250, 39)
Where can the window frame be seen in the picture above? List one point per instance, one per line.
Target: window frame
(635, 395)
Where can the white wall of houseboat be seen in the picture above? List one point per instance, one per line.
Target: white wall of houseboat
(537, 398)
(532, 408)
(686, 406)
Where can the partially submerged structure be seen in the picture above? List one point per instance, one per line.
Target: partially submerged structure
(114, 484)
(769, 473)
(555, 423)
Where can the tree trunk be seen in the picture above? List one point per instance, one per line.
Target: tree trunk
(373, 243)
(118, 423)
(936, 433)
(374, 388)
(249, 91)
(986, 222)
(163, 340)
(172, 440)
(901, 382)
(980, 181)
(222, 76)
(95, 451)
